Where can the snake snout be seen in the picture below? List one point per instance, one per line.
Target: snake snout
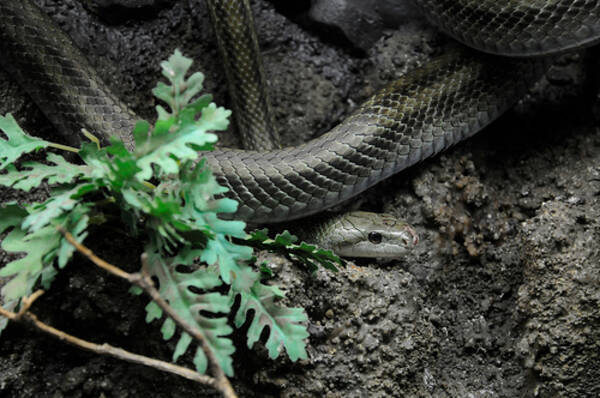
(366, 234)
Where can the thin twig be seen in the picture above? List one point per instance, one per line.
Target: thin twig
(144, 281)
(106, 349)
(28, 301)
(93, 258)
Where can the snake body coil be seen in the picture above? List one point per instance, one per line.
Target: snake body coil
(418, 116)
(238, 45)
(425, 112)
(43, 60)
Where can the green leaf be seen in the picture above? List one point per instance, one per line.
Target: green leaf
(41, 248)
(285, 324)
(264, 269)
(38, 247)
(18, 142)
(167, 149)
(182, 345)
(182, 90)
(286, 238)
(153, 311)
(168, 329)
(34, 173)
(113, 168)
(141, 131)
(189, 113)
(186, 294)
(122, 164)
(76, 222)
(285, 243)
(11, 215)
(259, 235)
(42, 214)
(136, 290)
(227, 255)
(200, 211)
(97, 160)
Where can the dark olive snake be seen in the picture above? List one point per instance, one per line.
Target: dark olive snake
(425, 112)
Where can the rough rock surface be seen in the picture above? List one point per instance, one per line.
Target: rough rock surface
(362, 21)
(500, 299)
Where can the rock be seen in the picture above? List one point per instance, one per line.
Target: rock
(362, 21)
(125, 3)
(559, 300)
(115, 11)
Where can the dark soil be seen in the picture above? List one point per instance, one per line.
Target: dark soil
(501, 298)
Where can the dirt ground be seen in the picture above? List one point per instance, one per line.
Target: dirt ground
(501, 298)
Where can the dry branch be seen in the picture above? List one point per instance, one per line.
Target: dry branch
(26, 317)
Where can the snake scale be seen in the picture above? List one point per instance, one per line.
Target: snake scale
(425, 112)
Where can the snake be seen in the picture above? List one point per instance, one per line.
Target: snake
(356, 234)
(507, 45)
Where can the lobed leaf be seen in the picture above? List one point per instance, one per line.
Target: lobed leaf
(181, 90)
(11, 216)
(167, 149)
(285, 243)
(42, 214)
(285, 324)
(40, 247)
(185, 293)
(34, 173)
(227, 256)
(200, 209)
(18, 142)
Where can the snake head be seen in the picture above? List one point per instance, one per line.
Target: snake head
(375, 235)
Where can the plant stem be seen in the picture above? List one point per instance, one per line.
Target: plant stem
(24, 316)
(63, 147)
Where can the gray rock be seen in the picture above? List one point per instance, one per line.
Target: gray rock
(126, 3)
(560, 301)
(362, 21)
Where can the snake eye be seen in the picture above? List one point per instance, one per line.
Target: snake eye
(375, 237)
